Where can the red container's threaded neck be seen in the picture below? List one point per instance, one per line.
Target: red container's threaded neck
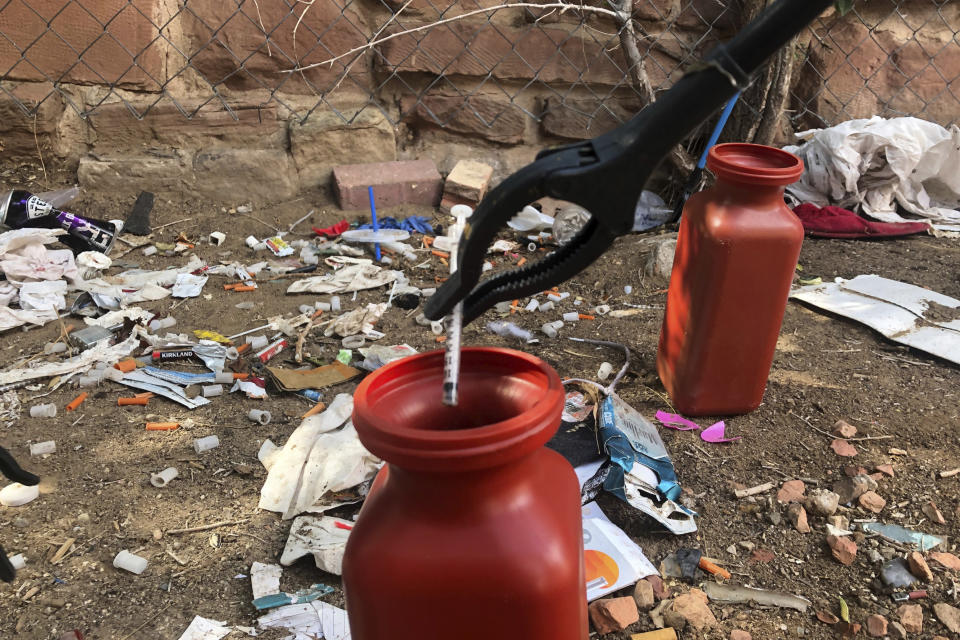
(510, 405)
(754, 164)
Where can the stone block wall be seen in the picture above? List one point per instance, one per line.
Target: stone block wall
(197, 97)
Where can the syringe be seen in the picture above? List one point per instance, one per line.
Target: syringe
(451, 358)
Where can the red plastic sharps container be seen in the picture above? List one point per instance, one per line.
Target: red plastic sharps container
(736, 255)
(473, 529)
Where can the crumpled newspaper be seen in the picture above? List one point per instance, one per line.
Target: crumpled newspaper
(352, 274)
(877, 164)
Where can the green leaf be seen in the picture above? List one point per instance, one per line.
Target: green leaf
(843, 6)
(844, 611)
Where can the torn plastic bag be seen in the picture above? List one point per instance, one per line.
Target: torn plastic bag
(188, 285)
(213, 354)
(642, 473)
(351, 274)
(318, 460)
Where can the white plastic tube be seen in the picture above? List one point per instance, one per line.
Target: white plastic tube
(213, 390)
(257, 342)
(163, 478)
(422, 320)
(224, 377)
(251, 241)
(262, 417)
(217, 238)
(549, 330)
(335, 304)
(307, 309)
(149, 251)
(546, 306)
(533, 305)
(111, 373)
(206, 443)
(322, 306)
(161, 323)
(18, 561)
(43, 448)
(54, 347)
(571, 316)
(130, 562)
(43, 411)
(628, 289)
(436, 327)
(353, 342)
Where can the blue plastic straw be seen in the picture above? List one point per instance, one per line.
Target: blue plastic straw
(376, 227)
(717, 130)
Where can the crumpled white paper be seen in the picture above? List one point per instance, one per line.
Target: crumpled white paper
(352, 274)
(877, 164)
(318, 458)
(358, 321)
(188, 285)
(48, 294)
(205, 629)
(308, 621)
(323, 537)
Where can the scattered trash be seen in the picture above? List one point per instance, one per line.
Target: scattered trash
(281, 599)
(530, 219)
(902, 312)
(835, 222)
(760, 597)
(612, 559)
(896, 533)
(309, 620)
(879, 164)
(260, 417)
(130, 562)
(206, 443)
(321, 460)
(43, 411)
(163, 478)
(16, 494)
(43, 448)
(21, 209)
(325, 538)
(265, 579)
(205, 629)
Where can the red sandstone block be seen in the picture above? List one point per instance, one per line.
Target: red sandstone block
(394, 183)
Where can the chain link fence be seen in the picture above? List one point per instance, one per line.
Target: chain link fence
(482, 68)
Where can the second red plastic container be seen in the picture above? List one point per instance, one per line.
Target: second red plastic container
(473, 530)
(737, 252)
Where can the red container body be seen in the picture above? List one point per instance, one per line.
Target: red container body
(473, 530)
(737, 252)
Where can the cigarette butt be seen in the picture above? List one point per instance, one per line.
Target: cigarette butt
(241, 376)
(709, 567)
(76, 402)
(317, 408)
(145, 394)
(586, 316)
(444, 261)
(427, 241)
(521, 262)
(667, 633)
(243, 348)
(232, 285)
(441, 339)
(162, 426)
(126, 366)
(129, 402)
(244, 287)
(440, 254)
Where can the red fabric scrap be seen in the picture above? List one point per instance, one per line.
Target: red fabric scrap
(332, 231)
(834, 222)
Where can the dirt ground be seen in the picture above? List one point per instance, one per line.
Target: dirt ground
(96, 487)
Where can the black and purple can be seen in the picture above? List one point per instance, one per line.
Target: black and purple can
(21, 209)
